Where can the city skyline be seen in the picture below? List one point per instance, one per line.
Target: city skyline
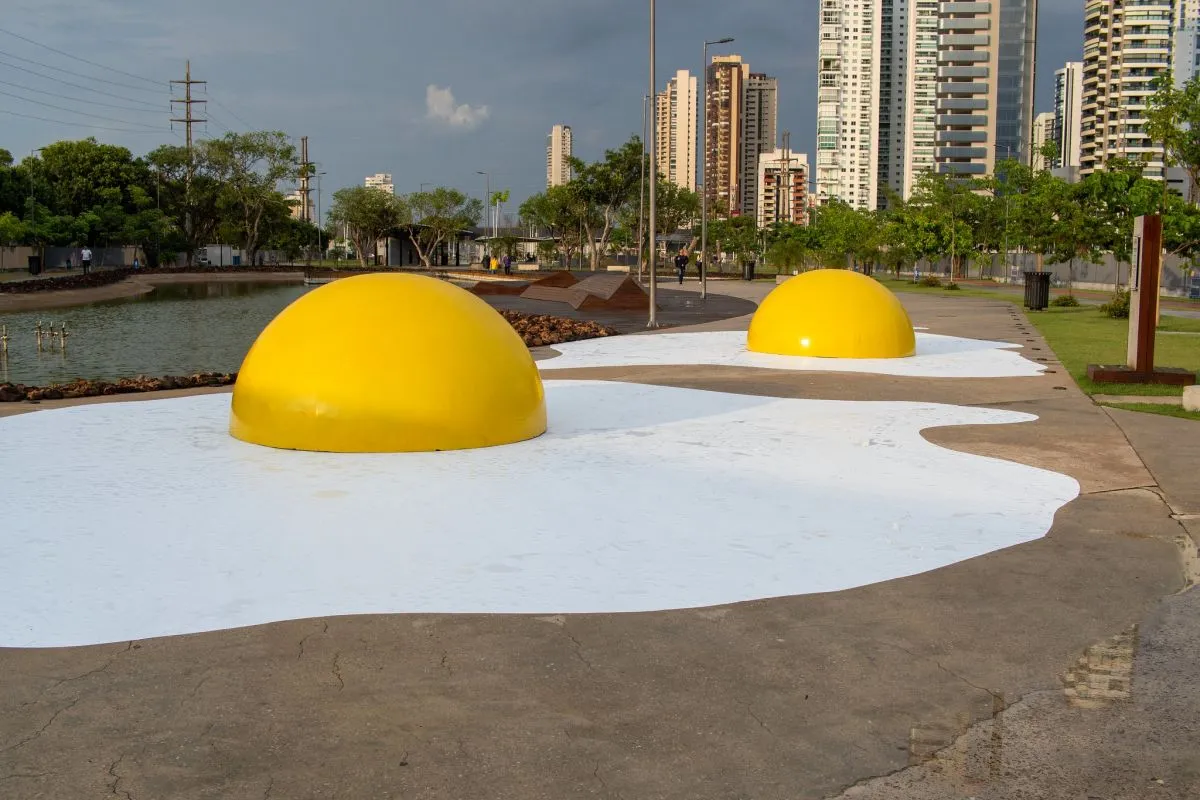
(464, 114)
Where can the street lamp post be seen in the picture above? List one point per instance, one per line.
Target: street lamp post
(704, 170)
(487, 202)
(320, 219)
(642, 191)
(652, 322)
(32, 208)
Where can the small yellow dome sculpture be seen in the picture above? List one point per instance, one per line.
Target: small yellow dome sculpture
(832, 313)
(388, 364)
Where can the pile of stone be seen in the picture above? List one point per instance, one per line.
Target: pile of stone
(539, 330)
(17, 392)
(62, 282)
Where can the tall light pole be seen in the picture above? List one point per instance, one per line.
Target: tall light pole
(704, 169)
(320, 252)
(487, 202)
(642, 190)
(32, 207)
(652, 116)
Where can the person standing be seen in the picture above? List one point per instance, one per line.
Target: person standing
(507, 264)
(85, 258)
(681, 264)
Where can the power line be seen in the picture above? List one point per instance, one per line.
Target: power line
(81, 100)
(69, 110)
(221, 105)
(75, 85)
(77, 124)
(79, 58)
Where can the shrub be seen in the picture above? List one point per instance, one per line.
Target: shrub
(931, 280)
(1065, 301)
(1118, 307)
(954, 287)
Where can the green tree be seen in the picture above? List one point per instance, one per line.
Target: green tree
(438, 217)
(1173, 118)
(603, 188)
(675, 207)
(557, 212)
(250, 168)
(12, 231)
(184, 185)
(368, 215)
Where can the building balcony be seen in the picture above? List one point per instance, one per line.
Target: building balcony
(964, 40)
(961, 152)
(961, 168)
(962, 104)
(963, 56)
(964, 24)
(961, 120)
(962, 88)
(965, 8)
(961, 136)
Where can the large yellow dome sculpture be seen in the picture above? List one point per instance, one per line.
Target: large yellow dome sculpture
(832, 313)
(388, 363)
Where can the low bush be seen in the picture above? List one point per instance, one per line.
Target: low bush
(1118, 307)
(1065, 301)
(931, 281)
(954, 287)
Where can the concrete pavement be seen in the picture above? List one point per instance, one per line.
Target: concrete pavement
(801, 697)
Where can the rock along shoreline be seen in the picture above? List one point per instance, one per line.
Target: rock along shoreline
(536, 330)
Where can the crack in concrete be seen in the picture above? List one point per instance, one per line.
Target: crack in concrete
(337, 670)
(997, 697)
(307, 636)
(445, 664)
(579, 649)
(112, 773)
(63, 681)
(270, 787)
(42, 729)
(756, 718)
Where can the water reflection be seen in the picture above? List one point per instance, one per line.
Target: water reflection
(175, 330)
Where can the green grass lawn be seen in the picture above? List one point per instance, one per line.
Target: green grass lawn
(1083, 336)
(1150, 408)
(904, 285)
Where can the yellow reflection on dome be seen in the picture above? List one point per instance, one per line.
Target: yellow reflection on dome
(388, 363)
(832, 313)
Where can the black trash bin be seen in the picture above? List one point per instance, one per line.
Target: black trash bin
(35, 265)
(1037, 290)
(748, 270)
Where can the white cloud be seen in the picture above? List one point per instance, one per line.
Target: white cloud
(440, 106)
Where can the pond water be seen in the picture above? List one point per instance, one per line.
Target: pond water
(174, 330)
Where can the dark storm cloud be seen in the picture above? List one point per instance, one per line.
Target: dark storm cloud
(355, 76)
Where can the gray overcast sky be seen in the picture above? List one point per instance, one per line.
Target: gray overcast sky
(356, 76)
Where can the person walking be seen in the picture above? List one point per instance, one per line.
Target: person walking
(85, 258)
(507, 264)
(681, 264)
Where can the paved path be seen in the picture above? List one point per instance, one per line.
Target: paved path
(800, 697)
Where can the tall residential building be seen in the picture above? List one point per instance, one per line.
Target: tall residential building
(782, 187)
(848, 101)
(1125, 47)
(905, 86)
(985, 102)
(725, 85)
(381, 181)
(742, 118)
(558, 156)
(760, 116)
(677, 107)
(1068, 97)
(1043, 132)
